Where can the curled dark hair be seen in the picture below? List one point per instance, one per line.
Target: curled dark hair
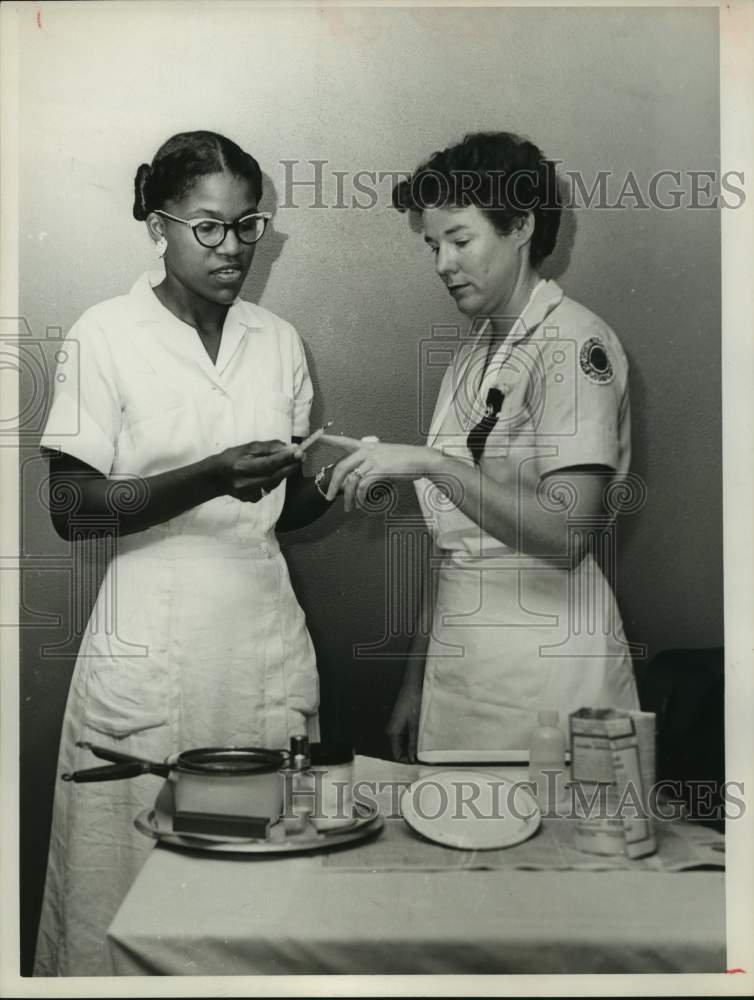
(502, 174)
(180, 161)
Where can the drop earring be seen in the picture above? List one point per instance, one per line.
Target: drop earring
(161, 246)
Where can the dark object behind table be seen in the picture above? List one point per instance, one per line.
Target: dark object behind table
(685, 688)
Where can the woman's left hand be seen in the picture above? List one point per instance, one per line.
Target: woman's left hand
(369, 461)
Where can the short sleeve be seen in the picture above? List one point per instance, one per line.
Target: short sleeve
(85, 417)
(303, 392)
(583, 404)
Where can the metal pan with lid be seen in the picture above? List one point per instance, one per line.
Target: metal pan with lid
(222, 781)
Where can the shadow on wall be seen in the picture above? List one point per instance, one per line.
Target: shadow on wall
(639, 432)
(559, 260)
(269, 248)
(343, 699)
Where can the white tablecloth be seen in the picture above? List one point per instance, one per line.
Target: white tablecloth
(200, 914)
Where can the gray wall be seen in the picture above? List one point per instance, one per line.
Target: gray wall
(377, 90)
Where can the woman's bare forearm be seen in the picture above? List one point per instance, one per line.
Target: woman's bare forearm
(511, 507)
(82, 497)
(505, 498)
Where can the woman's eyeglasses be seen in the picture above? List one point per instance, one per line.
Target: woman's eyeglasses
(212, 232)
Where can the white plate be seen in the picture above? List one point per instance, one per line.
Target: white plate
(473, 756)
(483, 757)
(472, 810)
(158, 824)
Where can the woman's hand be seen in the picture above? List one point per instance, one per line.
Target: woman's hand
(249, 471)
(369, 461)
(403, 727)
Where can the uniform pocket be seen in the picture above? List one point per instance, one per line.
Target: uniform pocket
(455, 446)
(123, 697)
(303, 691)
(301, 677)
(276, 400)
(150, 396)
(273, 416)
(300, 662)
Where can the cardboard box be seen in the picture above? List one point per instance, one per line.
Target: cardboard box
(613, 765)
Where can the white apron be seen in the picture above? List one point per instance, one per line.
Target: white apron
(511, 633)
(196, 638)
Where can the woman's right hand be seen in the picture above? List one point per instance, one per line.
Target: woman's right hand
(249, 471)
(403, 727)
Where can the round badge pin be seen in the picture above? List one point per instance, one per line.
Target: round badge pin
(594, 361)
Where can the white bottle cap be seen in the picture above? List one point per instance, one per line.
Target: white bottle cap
(547, 717)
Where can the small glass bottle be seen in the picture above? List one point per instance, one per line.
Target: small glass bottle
(300, 753)
(298, 798)
(547, 754)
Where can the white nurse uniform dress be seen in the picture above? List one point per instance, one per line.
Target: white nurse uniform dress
(513, 634)
(196, 638)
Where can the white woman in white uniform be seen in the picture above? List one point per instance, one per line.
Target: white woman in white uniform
(530, 440)
(179, 443)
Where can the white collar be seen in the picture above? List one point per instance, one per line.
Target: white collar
(149, 310)
(543, 298)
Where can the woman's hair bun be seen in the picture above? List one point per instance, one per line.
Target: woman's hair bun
(140, 193)
(182, 160)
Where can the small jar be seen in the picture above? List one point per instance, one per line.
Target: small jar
(332, 782)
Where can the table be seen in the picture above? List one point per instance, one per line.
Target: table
(199, 914)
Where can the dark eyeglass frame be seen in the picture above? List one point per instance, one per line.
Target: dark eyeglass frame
(193, 223)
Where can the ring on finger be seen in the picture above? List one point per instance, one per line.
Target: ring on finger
(358, 473)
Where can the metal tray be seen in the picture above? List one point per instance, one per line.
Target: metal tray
(157, 823)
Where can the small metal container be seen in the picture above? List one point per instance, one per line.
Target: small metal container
(237, 781)
(216, 789)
